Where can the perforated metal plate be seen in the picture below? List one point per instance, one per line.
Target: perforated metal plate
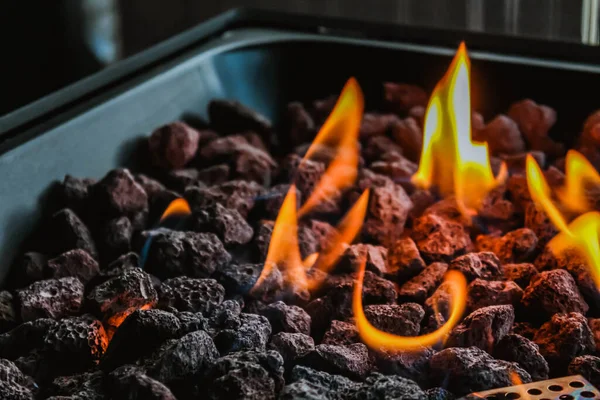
(566, 388)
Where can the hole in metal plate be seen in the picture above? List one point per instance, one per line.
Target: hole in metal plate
(566, 397)
(555, 388)
(576, 384)
(534, 391)
(512, 396)
(587, 394)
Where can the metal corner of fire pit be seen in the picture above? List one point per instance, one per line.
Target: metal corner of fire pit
(565, 388)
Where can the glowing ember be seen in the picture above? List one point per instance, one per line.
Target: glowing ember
(580, 234)
(378, 339)
(339, 132)
(450, 160)
(177, 208)
(579, 174)
(116, 320)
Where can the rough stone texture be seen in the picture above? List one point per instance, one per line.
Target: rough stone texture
(75, 193)
(307, 383)
(52, 298)
(594, 324)
(412, 365)
(553, 292)
(523, 351)
(352, 257)
(116, 238)
(299, 123)
(239, 279)
(31, 268)
(483, 328)
(244, 375)
(404, 260)
(419, 288)
(252, 334)
(140, 333)
(588, 367)
(351, 361)
(268, 205)
(401, 97)
(291, 346)
(375, 124)
(409, 136)
(123, 294)
(379, 386)
(517, 246)
(173, 253)
(190, 294)
(440, 300)
(467, 370)
(440, 239)
(488, 293)
(236, 195)
(341, 333)
(25, 338)
(119, 194)
(534, 120)
(191, 322)
(68, 232)
(285, 318)
(382, 148)
(439, 394)
(14, 385)
(131, 383)
(178, 180)
(502, 136)
(403, 320)
(173, 145)
(537, 220)
(182, 359)
(8, 313)
(521, 274)
(227, 224)
(228, 116)
(563, 338)
(77, 263)
(397, 167)
(483, 265)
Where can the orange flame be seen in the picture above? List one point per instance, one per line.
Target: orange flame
(340, 131)
(450, 160)
(378, 339)
(580, 234)
(579, 173)
(178, 207)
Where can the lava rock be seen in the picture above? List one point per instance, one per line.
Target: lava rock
(483, 328)
(14, 385)
(174, 145)
(439, 394)
(215, 175)
(440, 239)
(502, 136)
(117, 237)
(131, 383)
(190, 294)
(409, 136)
(240, 279)
(123, 294)
(252, 334)
(341, 333)
(284, 318)
(31, 268)
(467, 370)
(419, 288)
(594, 324)
(488, 293)
(227, 224)
(140, 333)
(351, 361)
(68, 232)
(291, 346)
(86, 385)
(174, 253)
(412, 365)
(269, 204)
(245, 375)
(382, 148)
(534, 120)
(52, 298)
(375, 124)
(225, 316)
(8, 314)
(563, 338)
(517, 246)
(537, 220)
(379, 386)
(307, 383)
(483, 265)
(77, 263)
(523, 351)
(401, 97)
(75, 193)
(553, 292)
(180, 179)
(588, 367)
(525, 329)
(230, 116)
(404, 259)
(403, 320)
(521, 274)
(235, 195)
(518, 192)
(352, 257)
(119, 194)
(25, 338)
(299, 123)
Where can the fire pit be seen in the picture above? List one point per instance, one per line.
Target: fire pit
(381, 239)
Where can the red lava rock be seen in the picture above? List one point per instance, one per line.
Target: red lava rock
(119, 194)
(418, 113)
(284, 318)
(420, 287)
(516, 163)
(534, 120)
(487, 293)
(594, 324)
(588, 367)
(517, 246)
(404, 260)
(400, 97)
(178, 180)
(351, 361)
(52, 298)
(483, 328)
(228, 116)
(422, 200)
(341, 333)
(68, 232)
(409, 136)
(439, 239)
(379, 147)
(591, 131)
(173, 145)
(467, 370)
(563, 338)
(373, 124)
(540, 224)
(502, 136)
(77, 263)
(523, 351)
(400, 170)
(518, 192)
(553, 292)
(483, 265)
(116, 238)
(238, 195)
(299, 123)
(291, 346)
(521, 274)
(190, 294)
(215, 175)
(525, 329)
(403, 320)
(376, 257)
(268, 205)
(497, 209)
(227, 224)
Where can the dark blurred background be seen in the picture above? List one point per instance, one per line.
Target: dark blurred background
(49, 44)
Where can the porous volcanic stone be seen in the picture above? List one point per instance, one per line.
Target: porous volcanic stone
(594, 324)
(25, 338)
(502, 136)
(252, 334)
(75, 193)
(131, 383)
(403, 320)
(291, 346)
(439, 394)
(351, 361)
(537, 220)
(409, 136)
(14, 385)
(285, 318)
(516, 348)
(483, 328)
(86, 385)
(588, 367)
(8, 314)
(404, 259)
(376, 257)
(341, 333)
(487, 293)
(412, 365)
(534, 120)
(227, 224)
(77, 263)
(236, 195)
(32, 267)
(119, 194)
(307, 383)
(401, 97)
(173, 145)
(483, 265)
(68, 232)
(52, 298)
(521, 274)
(439, 238)
(299, 123)
(116, 238)
(517, 246)
(240, 279)
(190, 294)
(422, 286)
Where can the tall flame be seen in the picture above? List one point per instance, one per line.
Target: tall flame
(580, 234)
(340, 132)
(579, 173)
(450, 160)
(378, 339)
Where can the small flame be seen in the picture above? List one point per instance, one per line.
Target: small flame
(178, 207)
(113, 323)
(339, 132)
(450, 160)
(580, 234)
(579, 173)
(378, 339)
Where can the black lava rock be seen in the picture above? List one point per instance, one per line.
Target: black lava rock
(252, 334)
(228, 116)
(516, 348)
(8, 314)
(67, 232)
(239, 279)
(588, 367)
(226, 223)
(119, 194)
(190, 294)
(379, 386)
(116, 237)
(174, 145)
(403, 320)
(483, 328)
(25, 338)
(52, 298)
(14, 385)
(77, 263)
(291, 346)
(235, 195)
(352, 361)
(285, 318)
(341, 333)
(131, 383)
(307, 383)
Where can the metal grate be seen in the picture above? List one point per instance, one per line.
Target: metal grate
(566, 388)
